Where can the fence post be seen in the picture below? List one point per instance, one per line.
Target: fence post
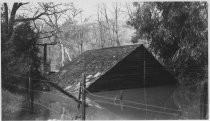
(31, 96)
(204, 102)
(30, 92)
(79, 96)
(83, 97)
(28, 89)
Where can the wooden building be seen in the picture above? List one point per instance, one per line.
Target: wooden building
(128, 81)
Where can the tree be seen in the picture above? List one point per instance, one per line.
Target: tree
(20, 56)
(116, 28)
(11, 20)
(108, 27)
(19, 38)
(76, 35)
(51, 33)
(112, 24)
(177, 33)
(100, 26)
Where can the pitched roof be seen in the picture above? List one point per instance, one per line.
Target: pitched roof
(93, 63)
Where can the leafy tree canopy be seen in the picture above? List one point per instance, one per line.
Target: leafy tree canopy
(19, 53)
(177, 32)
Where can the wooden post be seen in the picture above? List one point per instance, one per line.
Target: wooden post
(144, 80)
(83, 97)
(45, 54)
(30, 92)
(79, 96)
(29, 82)
(62, 55)
(204, 102)
(31, 96)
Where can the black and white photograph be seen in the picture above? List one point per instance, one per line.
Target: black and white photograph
(104, 60)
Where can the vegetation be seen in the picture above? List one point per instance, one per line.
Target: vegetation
(19, 59)
(19, 53)
(11, 104)
(177, 34)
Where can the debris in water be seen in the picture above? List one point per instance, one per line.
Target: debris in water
(68, 87)
(97, 74)
(89, 76)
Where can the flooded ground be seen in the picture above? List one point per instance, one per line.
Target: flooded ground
(159, 104)
(155, 103)
(105, 105)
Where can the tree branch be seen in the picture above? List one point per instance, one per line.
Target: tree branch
(6, 17)
(46, 37)
(40, 15)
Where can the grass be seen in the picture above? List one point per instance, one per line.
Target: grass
(11, 104)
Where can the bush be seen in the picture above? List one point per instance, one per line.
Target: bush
(20, 55)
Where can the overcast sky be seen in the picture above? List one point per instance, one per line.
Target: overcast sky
(89, 7)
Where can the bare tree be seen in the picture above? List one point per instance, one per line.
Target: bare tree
(52, 21)
(116, 28)
(77, 36)
(111, 23)
(99, 14)
(129, 11)
(10, 21)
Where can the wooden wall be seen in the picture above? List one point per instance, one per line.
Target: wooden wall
(138, 69)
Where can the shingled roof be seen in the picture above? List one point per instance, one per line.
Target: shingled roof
(108, 63)
(93, 63)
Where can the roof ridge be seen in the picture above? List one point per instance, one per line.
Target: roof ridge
(106, 48)
(114, 47)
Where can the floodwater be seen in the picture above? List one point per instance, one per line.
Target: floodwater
(135, 104)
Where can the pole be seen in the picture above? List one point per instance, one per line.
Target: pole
(144, 80)
(45, 54)
(79, 96)
(28, 83)
(204, 102)
(30, 92)
(83, 97)
(45, 58)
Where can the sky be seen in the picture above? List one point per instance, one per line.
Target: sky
(89, 7)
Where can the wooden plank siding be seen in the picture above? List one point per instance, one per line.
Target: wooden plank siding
(129, 73)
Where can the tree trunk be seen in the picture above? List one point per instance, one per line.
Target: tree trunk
(81, 49)
(6, 18)
(12, 18)
(62, 55)
(67, 54)
(116, 24)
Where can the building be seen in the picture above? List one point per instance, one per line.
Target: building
(128, 81)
